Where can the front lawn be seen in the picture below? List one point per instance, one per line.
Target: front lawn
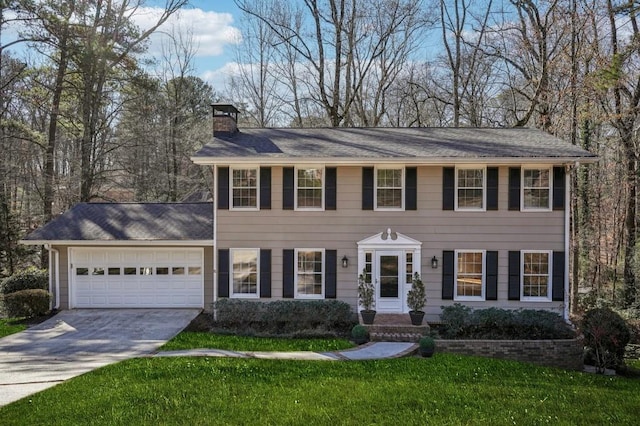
(446, 389)
(196, 340)
(10, 326)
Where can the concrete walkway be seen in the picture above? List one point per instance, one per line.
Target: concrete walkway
(373, 350)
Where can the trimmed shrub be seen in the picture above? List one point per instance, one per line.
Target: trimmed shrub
(461, 322)
(27, 279)
(285, 317)
(605, 336)
(27, 303)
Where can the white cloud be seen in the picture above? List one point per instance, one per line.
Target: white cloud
(212, 31)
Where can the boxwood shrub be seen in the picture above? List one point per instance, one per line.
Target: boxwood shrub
(27, 279)
(462, 322)
(284, 317)
(27, 303)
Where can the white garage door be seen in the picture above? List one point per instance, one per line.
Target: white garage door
(137, 278)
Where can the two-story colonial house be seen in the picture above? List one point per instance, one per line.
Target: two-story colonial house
(481, 214)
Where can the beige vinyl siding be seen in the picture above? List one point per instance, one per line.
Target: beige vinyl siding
(438, 230)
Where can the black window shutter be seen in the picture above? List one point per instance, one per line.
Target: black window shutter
(223, 188)
(448, 189)
(288, 265)
(367, 188)
(288, 183)
(492, 188)
(514, 188)
(265, 188)
(331, 274)
(491, 269)
(330, 185)
(411, 188)
(514, 275)
(558, 188)
(265, 273)
(557, 279)
(223, 272)
(447, 274)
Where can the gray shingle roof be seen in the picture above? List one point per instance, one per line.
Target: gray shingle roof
(130, 222)
(390, 143)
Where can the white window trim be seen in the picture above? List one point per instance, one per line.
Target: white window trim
(295, 187)
(375, 189)
(295, 275)
(524, 298)
(484, 188)
(231, 187)
(483, 296)
(235, 295)
(536, 209)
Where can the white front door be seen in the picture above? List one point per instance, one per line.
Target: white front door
(389, 267)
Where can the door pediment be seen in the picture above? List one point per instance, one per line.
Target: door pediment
(388, 239)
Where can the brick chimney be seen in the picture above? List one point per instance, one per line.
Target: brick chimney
(225, 119)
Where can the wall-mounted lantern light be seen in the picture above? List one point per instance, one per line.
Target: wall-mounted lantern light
(434, 262)
(345, 261)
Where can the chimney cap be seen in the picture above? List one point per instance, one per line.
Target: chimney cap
(224, 108)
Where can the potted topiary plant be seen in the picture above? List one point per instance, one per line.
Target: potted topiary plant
(426, 346)
(366, 295)
(416, 299)
(359, 334)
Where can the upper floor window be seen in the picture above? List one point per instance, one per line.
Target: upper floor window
(469, 282)
(536, 189)
(470, 188)
(309, 188)
(244, 188)
(244, 272)
(389, 188)
(310, 273)
(536, 278)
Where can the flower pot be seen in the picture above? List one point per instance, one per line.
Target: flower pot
(360, 340)
(416, 317)
(426, 352)
(368, 316)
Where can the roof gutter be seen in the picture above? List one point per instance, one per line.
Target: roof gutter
(100, 243)
(363, 161)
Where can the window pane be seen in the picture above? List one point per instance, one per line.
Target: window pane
(245, 271)
(389, 188)
(536, 188)
(162, 270)
(309, 273)
(114, 271)
(146, 270)
(97, 271)
(535, 282)
(177, 270)
(470, 188)
(82, 271)
(245, 187)
(130, 270)
(194, 270)
(469, 277)
(309, 188)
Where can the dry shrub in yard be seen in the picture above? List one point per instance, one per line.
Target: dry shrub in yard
(606, 335)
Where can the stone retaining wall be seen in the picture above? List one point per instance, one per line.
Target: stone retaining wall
(565, 354)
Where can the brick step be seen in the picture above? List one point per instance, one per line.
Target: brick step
(394, 337)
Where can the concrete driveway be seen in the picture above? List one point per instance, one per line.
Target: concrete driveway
(74, 342)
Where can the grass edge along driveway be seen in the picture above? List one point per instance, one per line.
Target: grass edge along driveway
(446, 389)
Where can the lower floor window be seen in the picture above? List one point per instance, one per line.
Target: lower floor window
(535, 274)
(244, 267)
(309, 273)
(469, 275)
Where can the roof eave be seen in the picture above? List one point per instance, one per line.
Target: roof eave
(424, 161)
(173, 243)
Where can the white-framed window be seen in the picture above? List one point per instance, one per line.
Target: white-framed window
(408, 258)
(470, 275)
(309, 188)
(471, 184)
(536, 188)
(536, 275)
(389, 191)
(309, 273)
(244, 188)
(244, 273)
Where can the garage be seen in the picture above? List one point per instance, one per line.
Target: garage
(137, 278)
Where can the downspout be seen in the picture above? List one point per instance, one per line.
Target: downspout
(567, 225)
(215, 239)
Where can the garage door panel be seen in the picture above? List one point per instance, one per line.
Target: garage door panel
(145, 278)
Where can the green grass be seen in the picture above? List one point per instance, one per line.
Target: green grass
(635, 363)
(196, 340)
(445, 389)
(10, 326)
